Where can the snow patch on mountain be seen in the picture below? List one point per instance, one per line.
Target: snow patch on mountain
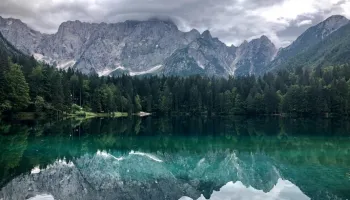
(42, 197)
(108, 71)
(200, 65)
(152, 70)
(141, 46)
(66, 65)
(38, 56)
(233, 68)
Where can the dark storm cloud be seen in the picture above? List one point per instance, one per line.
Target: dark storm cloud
(232, 21)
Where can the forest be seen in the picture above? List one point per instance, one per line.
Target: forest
(30, 86)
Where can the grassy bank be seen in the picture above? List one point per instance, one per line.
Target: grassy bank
(77, 115)
(84, 114)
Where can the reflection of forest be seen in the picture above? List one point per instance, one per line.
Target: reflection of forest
(314, 145)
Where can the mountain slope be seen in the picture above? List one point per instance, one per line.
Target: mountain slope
(7, 48)
(159, 47)
(134, 45)
(19, 34)
(333, 50)
(136, 48)
(253, 57)
(309, 39)
(205, 55)
(211, 57)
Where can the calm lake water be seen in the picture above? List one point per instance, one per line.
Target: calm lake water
(176, 158)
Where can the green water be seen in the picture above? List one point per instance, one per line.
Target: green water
(176, 158)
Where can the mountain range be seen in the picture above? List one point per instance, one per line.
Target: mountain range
(8, 49)
(159, 47)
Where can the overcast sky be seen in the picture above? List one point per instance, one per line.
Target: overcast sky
(232, 21)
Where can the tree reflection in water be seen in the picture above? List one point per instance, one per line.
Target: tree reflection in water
(199, 155)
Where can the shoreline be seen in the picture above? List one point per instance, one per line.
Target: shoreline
(89, 115)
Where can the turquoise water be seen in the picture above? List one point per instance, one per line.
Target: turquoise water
(176, 158)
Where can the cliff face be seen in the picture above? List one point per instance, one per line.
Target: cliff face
(137, 48)
(253, 57)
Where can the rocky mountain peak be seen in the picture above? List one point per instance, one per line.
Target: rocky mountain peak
(318, 32)
(19, 34)
(161, 20)
(8, 48)
(311, 37)
(265, 39)
(157, 46)
(244, 44)
(331, 24)
(192, 35)
(254, 56)
(72, 24)
(195, 32)
(206, 34)
(335, 19)
(152, 23)
(139, 47)
(11, 22)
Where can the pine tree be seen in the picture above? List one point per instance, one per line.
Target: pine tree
(3, 68)
(240, 105)
(57, 91)
(96, 102)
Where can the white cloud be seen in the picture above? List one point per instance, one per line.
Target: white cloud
(304, 22)
(346, 9)
(231, 21)
(291, 9)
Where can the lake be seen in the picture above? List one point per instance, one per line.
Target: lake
(176, 158)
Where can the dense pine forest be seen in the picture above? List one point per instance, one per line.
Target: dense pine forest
(29, 86)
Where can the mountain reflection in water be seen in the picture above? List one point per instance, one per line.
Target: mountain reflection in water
(234, 191)
(158, 158)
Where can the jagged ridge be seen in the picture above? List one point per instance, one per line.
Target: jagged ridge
(137, 47)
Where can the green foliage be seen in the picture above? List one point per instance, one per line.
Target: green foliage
(299, 91)
(17, 89)
(5, 106)
(334, 50)
(240, 105)
(39, 103)
(138, 106)
(166, 99)
(76, 108)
